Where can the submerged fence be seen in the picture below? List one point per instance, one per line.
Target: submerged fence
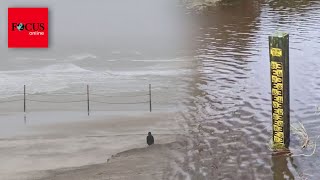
(86, 97)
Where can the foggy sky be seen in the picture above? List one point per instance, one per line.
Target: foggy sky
(75, 26)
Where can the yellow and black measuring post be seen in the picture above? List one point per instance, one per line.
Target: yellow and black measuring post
(279, 67)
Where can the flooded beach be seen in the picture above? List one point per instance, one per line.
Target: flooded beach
(208, 64)
(232, 102)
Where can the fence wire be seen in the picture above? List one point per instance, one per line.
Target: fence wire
(55, 94)
(11, 101)
(41, 101)
(119, 103)
(91, 94)
(82, 98)
(99, 95)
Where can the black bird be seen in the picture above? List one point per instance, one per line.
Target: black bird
(150, 139)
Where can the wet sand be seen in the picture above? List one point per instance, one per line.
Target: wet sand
(81, 149)
(154, 162)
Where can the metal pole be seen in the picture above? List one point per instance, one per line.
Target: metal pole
(150, 98)
(88, 100)
(279, 69)
(24, 98)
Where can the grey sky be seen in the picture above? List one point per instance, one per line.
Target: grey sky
(153, 26)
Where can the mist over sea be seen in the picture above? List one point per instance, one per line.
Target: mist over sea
(114, 46)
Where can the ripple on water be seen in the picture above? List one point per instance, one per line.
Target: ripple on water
(234, 112)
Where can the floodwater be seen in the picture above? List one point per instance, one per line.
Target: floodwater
(231, 106)
(211, 64)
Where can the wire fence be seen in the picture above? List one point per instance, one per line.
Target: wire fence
(87, 98)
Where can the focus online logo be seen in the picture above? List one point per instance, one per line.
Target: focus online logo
(36, 29)
(28, 27)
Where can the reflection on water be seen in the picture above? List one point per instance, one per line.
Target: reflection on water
(292, 5)
(280, 167)
(230, 111)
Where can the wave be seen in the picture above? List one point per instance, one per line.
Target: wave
(76, 57)
(39, 59)
(40, 80)
(63, 67)
(83, 56)
(149, 72)
(162, 60)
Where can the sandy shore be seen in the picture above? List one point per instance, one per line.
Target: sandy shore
(90, 149)
(154, 162)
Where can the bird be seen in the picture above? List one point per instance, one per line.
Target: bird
(150, 139)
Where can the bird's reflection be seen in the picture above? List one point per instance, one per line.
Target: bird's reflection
(25, 119)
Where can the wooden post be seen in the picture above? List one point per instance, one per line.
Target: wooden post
(150, 97)
(88, 100)
(279, 66)
(24, 98)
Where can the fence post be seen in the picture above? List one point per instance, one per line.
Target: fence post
(279, 61)
(150, 98)
(24, 98)
(88, 100)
